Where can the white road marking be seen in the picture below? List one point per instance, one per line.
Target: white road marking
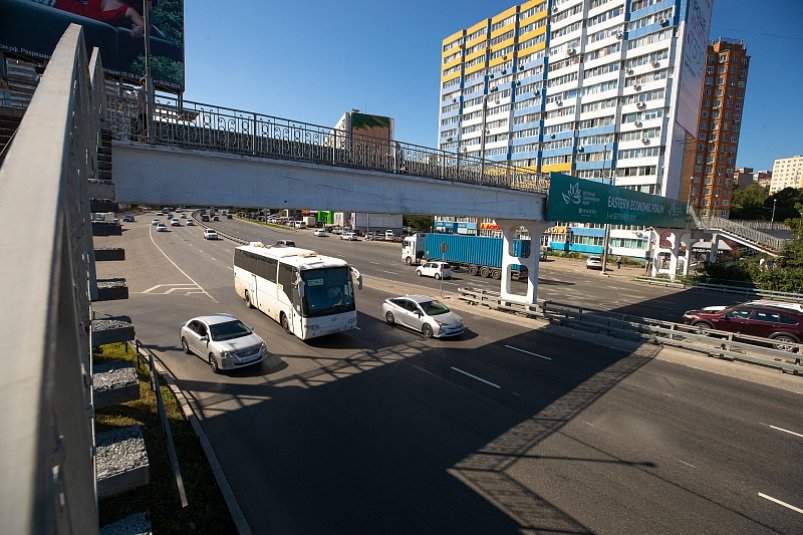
(376, 263)
(687, 464)
(181, 270)
(528, 352)
(229, 267)
(784, 430)
(213, 259)
(589, 424)
(480, 379)
(390, 272)
(779, 502)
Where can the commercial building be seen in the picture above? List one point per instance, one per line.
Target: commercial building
(744, 176)
(596, 89)
(710, 186)
(787, 173)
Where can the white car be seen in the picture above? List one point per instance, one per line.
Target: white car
(350, 236)
(155, 222)
(175, 222)
(423, 314)
(161, 227)
(439, 270)
(210, 234)
(594, 262)
(223, 341)
(190, 223)
(320, 233)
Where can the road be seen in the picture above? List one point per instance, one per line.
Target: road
(508, 429)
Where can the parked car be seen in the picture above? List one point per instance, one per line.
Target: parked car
(439, 270)
(161, 227)
(350, 236)
(175, 222)
(223, 341)
(424, 314)
(286, 243)
(210, 234)
(319, 232)
(782, 324)
(594, 262)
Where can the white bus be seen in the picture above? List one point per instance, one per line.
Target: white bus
(308, 294)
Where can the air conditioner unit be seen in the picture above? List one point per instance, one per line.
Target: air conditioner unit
(638, 124)
(559, 102)
(571, 51)
(630, 72)
(619, 35)
(662, 21)
(497, 101)
(555, 9)
(641, 105)
(656, 64)
(637, 87)
(645, 140)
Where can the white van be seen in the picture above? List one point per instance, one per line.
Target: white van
(300, 224)
(389, 235)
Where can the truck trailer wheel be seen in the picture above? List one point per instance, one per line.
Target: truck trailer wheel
(473, 270)
(408, 261)
(496, 274)
(485, 271)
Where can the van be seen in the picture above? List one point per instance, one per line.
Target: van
(389, 235)
(300, 224)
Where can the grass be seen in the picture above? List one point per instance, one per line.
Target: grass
(206, 512)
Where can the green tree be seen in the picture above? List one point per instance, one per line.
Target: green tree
(749, 202)
(419, 222)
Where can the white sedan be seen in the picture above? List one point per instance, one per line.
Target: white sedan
(210, 234)
(438, 270)
(321, 233)
(423, 314)
(350, 236)
(223, 341)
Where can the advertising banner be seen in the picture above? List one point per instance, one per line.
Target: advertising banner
(583, 201)
(32, 28)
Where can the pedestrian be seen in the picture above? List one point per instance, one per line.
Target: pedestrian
(618, 262)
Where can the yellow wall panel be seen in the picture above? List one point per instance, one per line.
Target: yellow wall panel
(504, 14)
(474, 68)
(558, 167)
(447, 77)
(503, 44)
(476, 54)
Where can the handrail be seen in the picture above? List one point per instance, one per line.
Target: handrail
(737, 229)
(46, 449)
(194, 125)
(795, 297)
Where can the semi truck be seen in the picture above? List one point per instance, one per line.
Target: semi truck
(479, 255)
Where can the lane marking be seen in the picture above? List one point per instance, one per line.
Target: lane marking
(181, 270)
(779, 502)
(376, 263)
(480, 379)
(784, 430)
(527, 352)
(229, 267)
(589, 424)
(213, 259)
(687, 464)
(390, 272)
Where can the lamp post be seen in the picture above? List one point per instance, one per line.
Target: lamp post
(607, 237)
(772, 220)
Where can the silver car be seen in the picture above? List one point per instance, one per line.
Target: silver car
(225, 342)
(423, 314)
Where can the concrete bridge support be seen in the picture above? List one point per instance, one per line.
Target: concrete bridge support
(510, 228)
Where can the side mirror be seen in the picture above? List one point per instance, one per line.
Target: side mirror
(205, 339)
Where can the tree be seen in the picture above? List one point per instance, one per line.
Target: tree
(749, 202)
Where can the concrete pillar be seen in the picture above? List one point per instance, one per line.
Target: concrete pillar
(686, 239)
(712, 254)
(673, 256)
(532, 262)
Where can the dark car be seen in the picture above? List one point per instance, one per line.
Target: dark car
(783, 324)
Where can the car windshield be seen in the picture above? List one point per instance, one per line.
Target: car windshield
(229, 330)
(327, 291)
(434, 307)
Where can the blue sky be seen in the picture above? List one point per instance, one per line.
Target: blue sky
(311, 61)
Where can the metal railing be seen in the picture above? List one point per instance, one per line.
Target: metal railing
(732, 346)
(751, 235)
(746, 289)
(46, 450)
(193, 125)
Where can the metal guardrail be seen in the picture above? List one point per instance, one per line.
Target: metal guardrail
(193, 125)
(46, 450)
(727, 345)
(748, 291)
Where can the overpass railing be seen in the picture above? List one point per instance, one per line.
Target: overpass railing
(46, 444)
(192, 125)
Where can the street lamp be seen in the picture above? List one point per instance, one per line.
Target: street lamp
(772, 221)
(607, 237)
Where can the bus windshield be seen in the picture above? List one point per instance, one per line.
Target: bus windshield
(327, 291)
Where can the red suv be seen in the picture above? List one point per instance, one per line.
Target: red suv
(781, 322)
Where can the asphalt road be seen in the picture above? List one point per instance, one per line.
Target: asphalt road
(509, 429)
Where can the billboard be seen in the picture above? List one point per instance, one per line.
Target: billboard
(583, 201)
(695, 25)
(32, 28)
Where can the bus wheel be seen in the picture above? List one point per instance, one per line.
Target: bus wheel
(286, 324)
(248, 302)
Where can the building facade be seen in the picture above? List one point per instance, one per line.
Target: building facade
(710, 186)
(744, 176)
(599, 89)
(787, 173)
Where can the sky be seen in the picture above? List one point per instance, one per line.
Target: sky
(314, 60)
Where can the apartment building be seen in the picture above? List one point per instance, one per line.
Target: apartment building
(710, 186)
(599, 89)
(787, 173)
(744, 176)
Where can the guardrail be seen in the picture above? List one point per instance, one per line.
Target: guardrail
(721, 344)
(194, 125)
(46, 452)
(724, 288)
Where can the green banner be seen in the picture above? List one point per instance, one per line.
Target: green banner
(583, 201)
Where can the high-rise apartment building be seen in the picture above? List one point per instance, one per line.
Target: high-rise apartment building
(710, 186)
(787, 173)
(599, 89)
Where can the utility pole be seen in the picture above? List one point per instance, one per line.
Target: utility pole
(772, 221)
(607, 238)
(149, 98)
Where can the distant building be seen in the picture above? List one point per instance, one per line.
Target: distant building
(744, 176)
(763, 178)
(787, 173)
(710, 186)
